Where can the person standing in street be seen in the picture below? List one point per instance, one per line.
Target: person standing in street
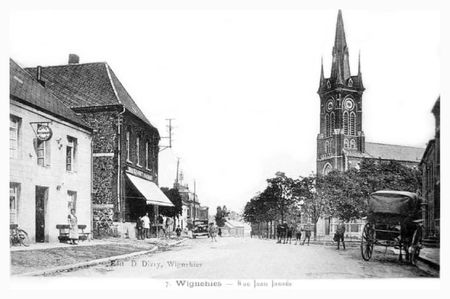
(178, 231)
(307, 230)
(340, 232)
(213, 232)
(290, 229)
(146, 225)
(73, 227)
(139, 228)
(298, 234)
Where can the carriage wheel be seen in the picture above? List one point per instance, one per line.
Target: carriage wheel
(416, 244)
(367, 242)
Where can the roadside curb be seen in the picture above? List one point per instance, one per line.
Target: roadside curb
(429, 263)
(93, 262)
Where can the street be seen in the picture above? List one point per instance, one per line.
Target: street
(246, 258)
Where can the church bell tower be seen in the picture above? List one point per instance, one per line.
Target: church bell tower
(340, 109)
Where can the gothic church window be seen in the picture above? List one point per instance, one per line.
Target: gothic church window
(345, 143)
(353, 144)
(352, 124)
(327, 169)
(350, 82)
(327, 124)
(345, 122)
(332, 123)
(327, 146)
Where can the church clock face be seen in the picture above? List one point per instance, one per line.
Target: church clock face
(349, 104)
(330, 105)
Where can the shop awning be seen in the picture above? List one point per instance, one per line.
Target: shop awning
(153, 195)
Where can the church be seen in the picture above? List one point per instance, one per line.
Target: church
(341, 143)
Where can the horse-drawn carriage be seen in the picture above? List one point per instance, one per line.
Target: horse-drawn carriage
(393, 220)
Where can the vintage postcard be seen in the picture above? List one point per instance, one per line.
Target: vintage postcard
(240, 148)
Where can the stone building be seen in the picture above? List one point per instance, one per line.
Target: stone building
(341, 142)
(431, 180)
(50, 159)
(125, 143)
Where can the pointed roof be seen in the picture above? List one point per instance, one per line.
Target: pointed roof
(340, 70)
(339, 39)
(88, 85)
(27, 90)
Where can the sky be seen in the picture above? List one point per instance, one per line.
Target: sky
(241, 84)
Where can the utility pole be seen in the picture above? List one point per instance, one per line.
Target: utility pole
(169, 129)
(178, 174)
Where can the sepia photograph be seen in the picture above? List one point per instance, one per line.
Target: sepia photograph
(240, 146)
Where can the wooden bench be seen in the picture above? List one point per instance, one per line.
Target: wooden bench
(64, 232)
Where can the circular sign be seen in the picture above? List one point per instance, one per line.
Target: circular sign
(348, 104)
(44, 132)
(330, 105)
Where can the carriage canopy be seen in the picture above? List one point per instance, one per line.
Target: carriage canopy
(395, 203)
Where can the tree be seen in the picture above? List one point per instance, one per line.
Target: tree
(347, 192)
(221, 214)
(175, 198)
(312, 204)
(279, 195)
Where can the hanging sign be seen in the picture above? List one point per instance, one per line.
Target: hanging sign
(43, 132)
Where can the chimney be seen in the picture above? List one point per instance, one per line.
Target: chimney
(39, 75)
(74, 59)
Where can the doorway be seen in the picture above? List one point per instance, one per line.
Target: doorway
(41, 199)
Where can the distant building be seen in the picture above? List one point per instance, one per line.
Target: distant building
(341, 142)
(50, 159)
(125, 143)
(431, 180)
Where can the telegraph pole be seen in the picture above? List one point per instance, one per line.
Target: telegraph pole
(170, 130)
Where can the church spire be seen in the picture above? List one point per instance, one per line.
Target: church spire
(340, 70)
(361, 85)
(322, 77)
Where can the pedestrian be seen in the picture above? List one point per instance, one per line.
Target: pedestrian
(298, 234)
(73, 227)
(146, 225)
(307, 230)
(340, 232)
(139, 228)
(178, 231)
(219, 232)
(213, 232)
(289, 229)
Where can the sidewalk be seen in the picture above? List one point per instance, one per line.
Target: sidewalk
(431, 256)
(51, 257)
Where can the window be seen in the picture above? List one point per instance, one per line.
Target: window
(346, 143)
(352, 124)
(71, 150)
(147, 156)
(353, 144)
(14, 126)
(345, 122)
(14, 190)
(128, 145)
(327, 124)
(71, 201)
(327, 169)
(332, 123)
(138, 150)
(327, 146)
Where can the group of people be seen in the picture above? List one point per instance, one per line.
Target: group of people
(213, 230)
(164, 224)
(286, 231)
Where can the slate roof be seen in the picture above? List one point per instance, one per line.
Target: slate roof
(394, 152)
(24, 88)
(88, 85)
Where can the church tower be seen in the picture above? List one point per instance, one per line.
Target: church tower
(340, 109)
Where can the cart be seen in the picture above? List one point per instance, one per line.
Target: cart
(393, 220)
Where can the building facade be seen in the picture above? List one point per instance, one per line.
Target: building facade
(50, 159)
(341, 142)
(431, 180)
(125, 143)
